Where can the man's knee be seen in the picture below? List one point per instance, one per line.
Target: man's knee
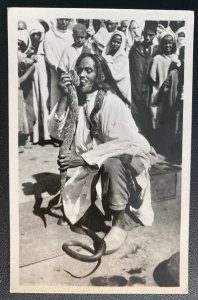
(111, 166)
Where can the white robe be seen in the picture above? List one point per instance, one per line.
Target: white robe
(69, 58)
(55, 42)
(119, 66)
(120, 135)
(40, 89)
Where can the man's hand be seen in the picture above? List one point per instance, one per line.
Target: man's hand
(65, 81)
(91, 31)
(34, 58)
(70, 160)
(175, 59)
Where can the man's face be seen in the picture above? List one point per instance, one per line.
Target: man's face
(115, 43)
(124, 26)
(135, 28)
(167, 44)
(148, 37)
(159, 30)
(111, 26)
(63, 23)
(21, 46)
(87, 73)
(96, 25)
(22, 25)
(181, 38)
(35, 37)
(79, 39)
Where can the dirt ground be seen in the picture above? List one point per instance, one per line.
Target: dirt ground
(42, 260)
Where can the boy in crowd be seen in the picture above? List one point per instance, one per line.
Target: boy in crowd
(71, 54)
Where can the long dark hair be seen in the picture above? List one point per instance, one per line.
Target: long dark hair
(104, 79)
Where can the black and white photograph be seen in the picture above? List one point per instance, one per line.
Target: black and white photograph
(100, 105)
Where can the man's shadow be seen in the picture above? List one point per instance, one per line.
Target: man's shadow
(45, 182)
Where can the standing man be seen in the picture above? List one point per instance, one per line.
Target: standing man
(56, 39)
(140, 58)
(40, 83)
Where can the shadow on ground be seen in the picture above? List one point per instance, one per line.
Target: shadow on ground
(118, 280)
(45, 183)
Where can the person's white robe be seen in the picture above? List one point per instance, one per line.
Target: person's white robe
(69, 58)
(120, 135)
(119, 66)
(55, 42)
(40, 89)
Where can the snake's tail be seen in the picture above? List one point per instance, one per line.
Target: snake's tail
(84, 276)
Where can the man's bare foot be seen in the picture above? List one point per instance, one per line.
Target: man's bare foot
(114, 239)
(28, 145)
(20, 149)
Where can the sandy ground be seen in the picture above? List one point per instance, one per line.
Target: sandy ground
(42, 260)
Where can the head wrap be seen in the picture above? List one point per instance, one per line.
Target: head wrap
(180, 42)
(166, 32)
(160, 28)
(80, 29)
(35, 26)
(140, 22)
(23, 35)
(121, 50)
(124, 21)
(130, 35)
(54, 27)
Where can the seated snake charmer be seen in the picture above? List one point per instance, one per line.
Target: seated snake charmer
(106, 145)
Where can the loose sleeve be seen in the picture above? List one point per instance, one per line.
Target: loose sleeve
(64, 61)
(55, 124)
(153, 71)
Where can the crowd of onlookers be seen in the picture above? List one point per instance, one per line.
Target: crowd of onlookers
(146, 59)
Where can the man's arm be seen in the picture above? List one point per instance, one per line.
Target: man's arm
(29, 72)
(119, 132)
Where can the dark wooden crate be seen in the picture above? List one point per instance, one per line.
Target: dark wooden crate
(163, 182)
